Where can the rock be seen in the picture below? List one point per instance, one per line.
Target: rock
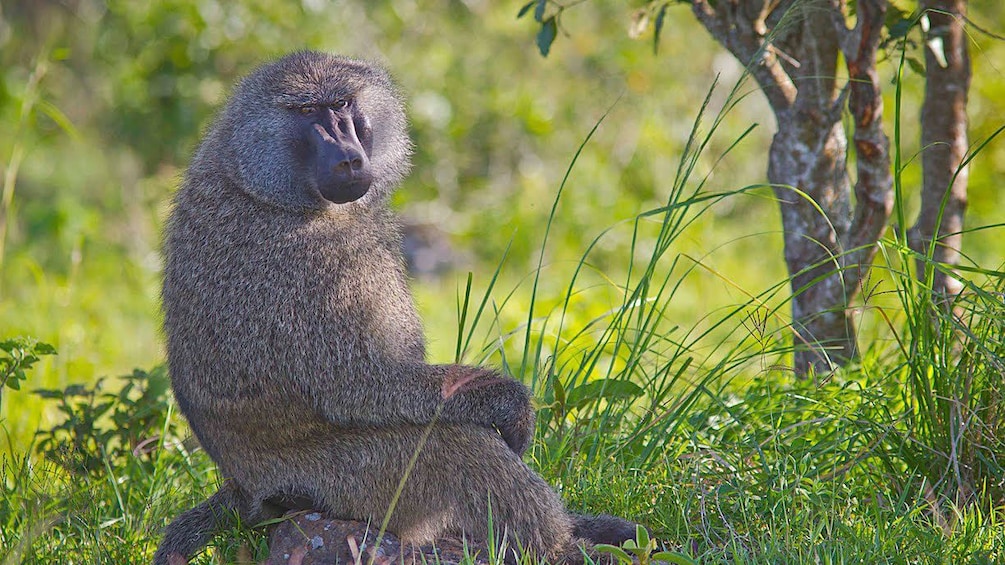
(309, 538)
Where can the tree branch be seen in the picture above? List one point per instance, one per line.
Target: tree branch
(746, 38)
(873, 185)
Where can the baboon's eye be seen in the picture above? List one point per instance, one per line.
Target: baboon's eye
(339, 104)
(306, 110)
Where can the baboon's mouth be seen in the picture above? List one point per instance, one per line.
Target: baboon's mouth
(343, 193)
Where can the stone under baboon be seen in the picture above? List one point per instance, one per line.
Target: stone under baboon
(295, 350)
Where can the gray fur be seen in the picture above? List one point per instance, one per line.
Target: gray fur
(295, 350)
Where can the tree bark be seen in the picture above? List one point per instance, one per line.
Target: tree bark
(944, 144)
(808, 153)
(792, 48)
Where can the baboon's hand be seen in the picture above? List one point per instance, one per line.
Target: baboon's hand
(484, 397)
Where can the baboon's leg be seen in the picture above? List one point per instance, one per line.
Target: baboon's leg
(464, 478)
(191, 531)
(603, 528)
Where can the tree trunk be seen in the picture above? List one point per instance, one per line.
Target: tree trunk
(792, 48)
(944, 144)
(808, 153)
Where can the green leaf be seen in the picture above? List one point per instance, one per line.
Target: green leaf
(539, 11)
(642, 534)
(606, 389)
(47, 393)
(526, 8)
(894, 14)
(158, 382)
(559, 392)
(42, 348)
(618, 553)
(77, 390)
(57, 115)
(916, 65)
(672, 557)
(658, 27)
(545, 37)
(900, 28)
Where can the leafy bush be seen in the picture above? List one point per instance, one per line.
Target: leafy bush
(17, 355)
(101, 428)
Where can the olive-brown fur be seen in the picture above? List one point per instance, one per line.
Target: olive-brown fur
(294, 346)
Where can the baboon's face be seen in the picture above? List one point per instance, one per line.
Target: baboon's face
(335, 144)
(313, 130)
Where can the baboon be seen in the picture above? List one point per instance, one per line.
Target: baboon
(294, 347)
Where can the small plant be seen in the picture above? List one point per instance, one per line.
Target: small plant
(642, 550)
(102, 426)
(17, 355)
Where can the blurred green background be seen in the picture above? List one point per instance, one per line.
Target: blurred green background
(101, 103)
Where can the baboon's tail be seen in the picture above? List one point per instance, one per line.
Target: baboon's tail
(603, 528)
(191, 531)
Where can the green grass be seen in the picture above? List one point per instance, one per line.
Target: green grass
(757, 468)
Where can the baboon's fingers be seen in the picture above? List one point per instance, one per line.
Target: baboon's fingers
(482, 396)
(518, 431)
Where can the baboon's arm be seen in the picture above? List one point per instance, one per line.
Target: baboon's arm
(421, 393)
